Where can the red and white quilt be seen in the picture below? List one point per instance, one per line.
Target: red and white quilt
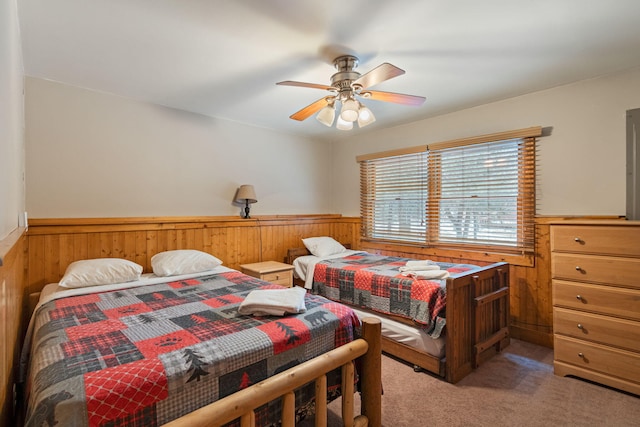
(149, 354)
(375, 282)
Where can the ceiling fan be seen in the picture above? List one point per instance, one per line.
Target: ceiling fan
(347, 86)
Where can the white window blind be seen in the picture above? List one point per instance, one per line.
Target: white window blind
(469, 193)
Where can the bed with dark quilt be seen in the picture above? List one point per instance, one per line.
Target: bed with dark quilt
(147, 355)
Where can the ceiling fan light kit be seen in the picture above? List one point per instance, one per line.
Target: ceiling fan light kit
(346, 86)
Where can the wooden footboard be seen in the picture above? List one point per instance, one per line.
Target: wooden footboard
(477, 318)
(477, 324)
(243, 403)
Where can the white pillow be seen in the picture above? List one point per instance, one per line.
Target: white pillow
(100, 271)
(182, 261)
(323, 246)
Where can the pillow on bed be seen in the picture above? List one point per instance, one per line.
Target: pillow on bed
(182, 261)
(323, 246)
(100, 271)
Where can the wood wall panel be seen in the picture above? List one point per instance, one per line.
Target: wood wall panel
(54, 243)
(12, 282)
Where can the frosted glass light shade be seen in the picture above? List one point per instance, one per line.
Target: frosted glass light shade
(326, 115)
(365, 117)
(349, 112)
(343, 125)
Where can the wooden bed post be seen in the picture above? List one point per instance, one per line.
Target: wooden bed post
(371, 381)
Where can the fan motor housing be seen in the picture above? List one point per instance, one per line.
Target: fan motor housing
(345, 76)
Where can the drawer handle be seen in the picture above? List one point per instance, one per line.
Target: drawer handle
(579, 297)
(577, 240)
(580, 326)
(581, 355)
(578, 268)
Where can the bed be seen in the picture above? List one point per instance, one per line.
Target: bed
(108, 345)
(447, 327)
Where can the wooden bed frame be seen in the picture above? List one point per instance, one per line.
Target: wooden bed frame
(477, 322)
(243, 403)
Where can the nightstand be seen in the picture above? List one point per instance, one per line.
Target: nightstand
(275, 272)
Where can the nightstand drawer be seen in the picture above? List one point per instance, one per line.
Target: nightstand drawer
(284, 278)
(594, 327)
(596, 357)
(597, 298)
(598, 269)
(609, 240)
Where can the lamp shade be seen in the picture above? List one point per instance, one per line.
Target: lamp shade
(365, 117)
(246, 194)
(349, 111)
(326, 115)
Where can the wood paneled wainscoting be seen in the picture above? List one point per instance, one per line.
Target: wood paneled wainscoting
(12, 285)
(54, 243)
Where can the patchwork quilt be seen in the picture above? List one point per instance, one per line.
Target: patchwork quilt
(147, 355)
(375, 282)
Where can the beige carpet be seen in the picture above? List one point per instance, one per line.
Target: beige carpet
(514, 388)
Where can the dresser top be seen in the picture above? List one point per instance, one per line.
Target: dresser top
(622, 222)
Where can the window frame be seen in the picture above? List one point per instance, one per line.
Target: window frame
(526, 210)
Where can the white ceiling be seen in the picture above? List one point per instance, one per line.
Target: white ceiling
(223, 58)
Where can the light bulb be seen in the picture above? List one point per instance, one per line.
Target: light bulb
(343, 125)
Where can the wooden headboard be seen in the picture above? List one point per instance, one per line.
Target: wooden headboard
(293, 253)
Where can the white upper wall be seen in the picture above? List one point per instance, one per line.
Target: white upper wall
(90, 154)
(12, 194)
(581, 168)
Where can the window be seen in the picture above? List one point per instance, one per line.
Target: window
(476, 192)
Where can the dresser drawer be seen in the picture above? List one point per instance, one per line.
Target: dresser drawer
(605, 240)
(597, 298)
(594, 327)
(619, 363)
(597, 269)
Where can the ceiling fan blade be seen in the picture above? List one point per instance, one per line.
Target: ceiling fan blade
(397, 98)
(310, 109)
(379, 74)
(303, 84)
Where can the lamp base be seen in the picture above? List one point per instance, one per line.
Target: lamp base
(246, 211)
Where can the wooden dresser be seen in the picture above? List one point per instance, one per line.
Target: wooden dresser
(595, 267)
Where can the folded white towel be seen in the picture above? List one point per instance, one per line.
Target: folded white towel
(419, 262)
(275, 302)
(428, 274)
(420, 267)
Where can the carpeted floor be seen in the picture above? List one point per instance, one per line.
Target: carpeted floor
(514, 388)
